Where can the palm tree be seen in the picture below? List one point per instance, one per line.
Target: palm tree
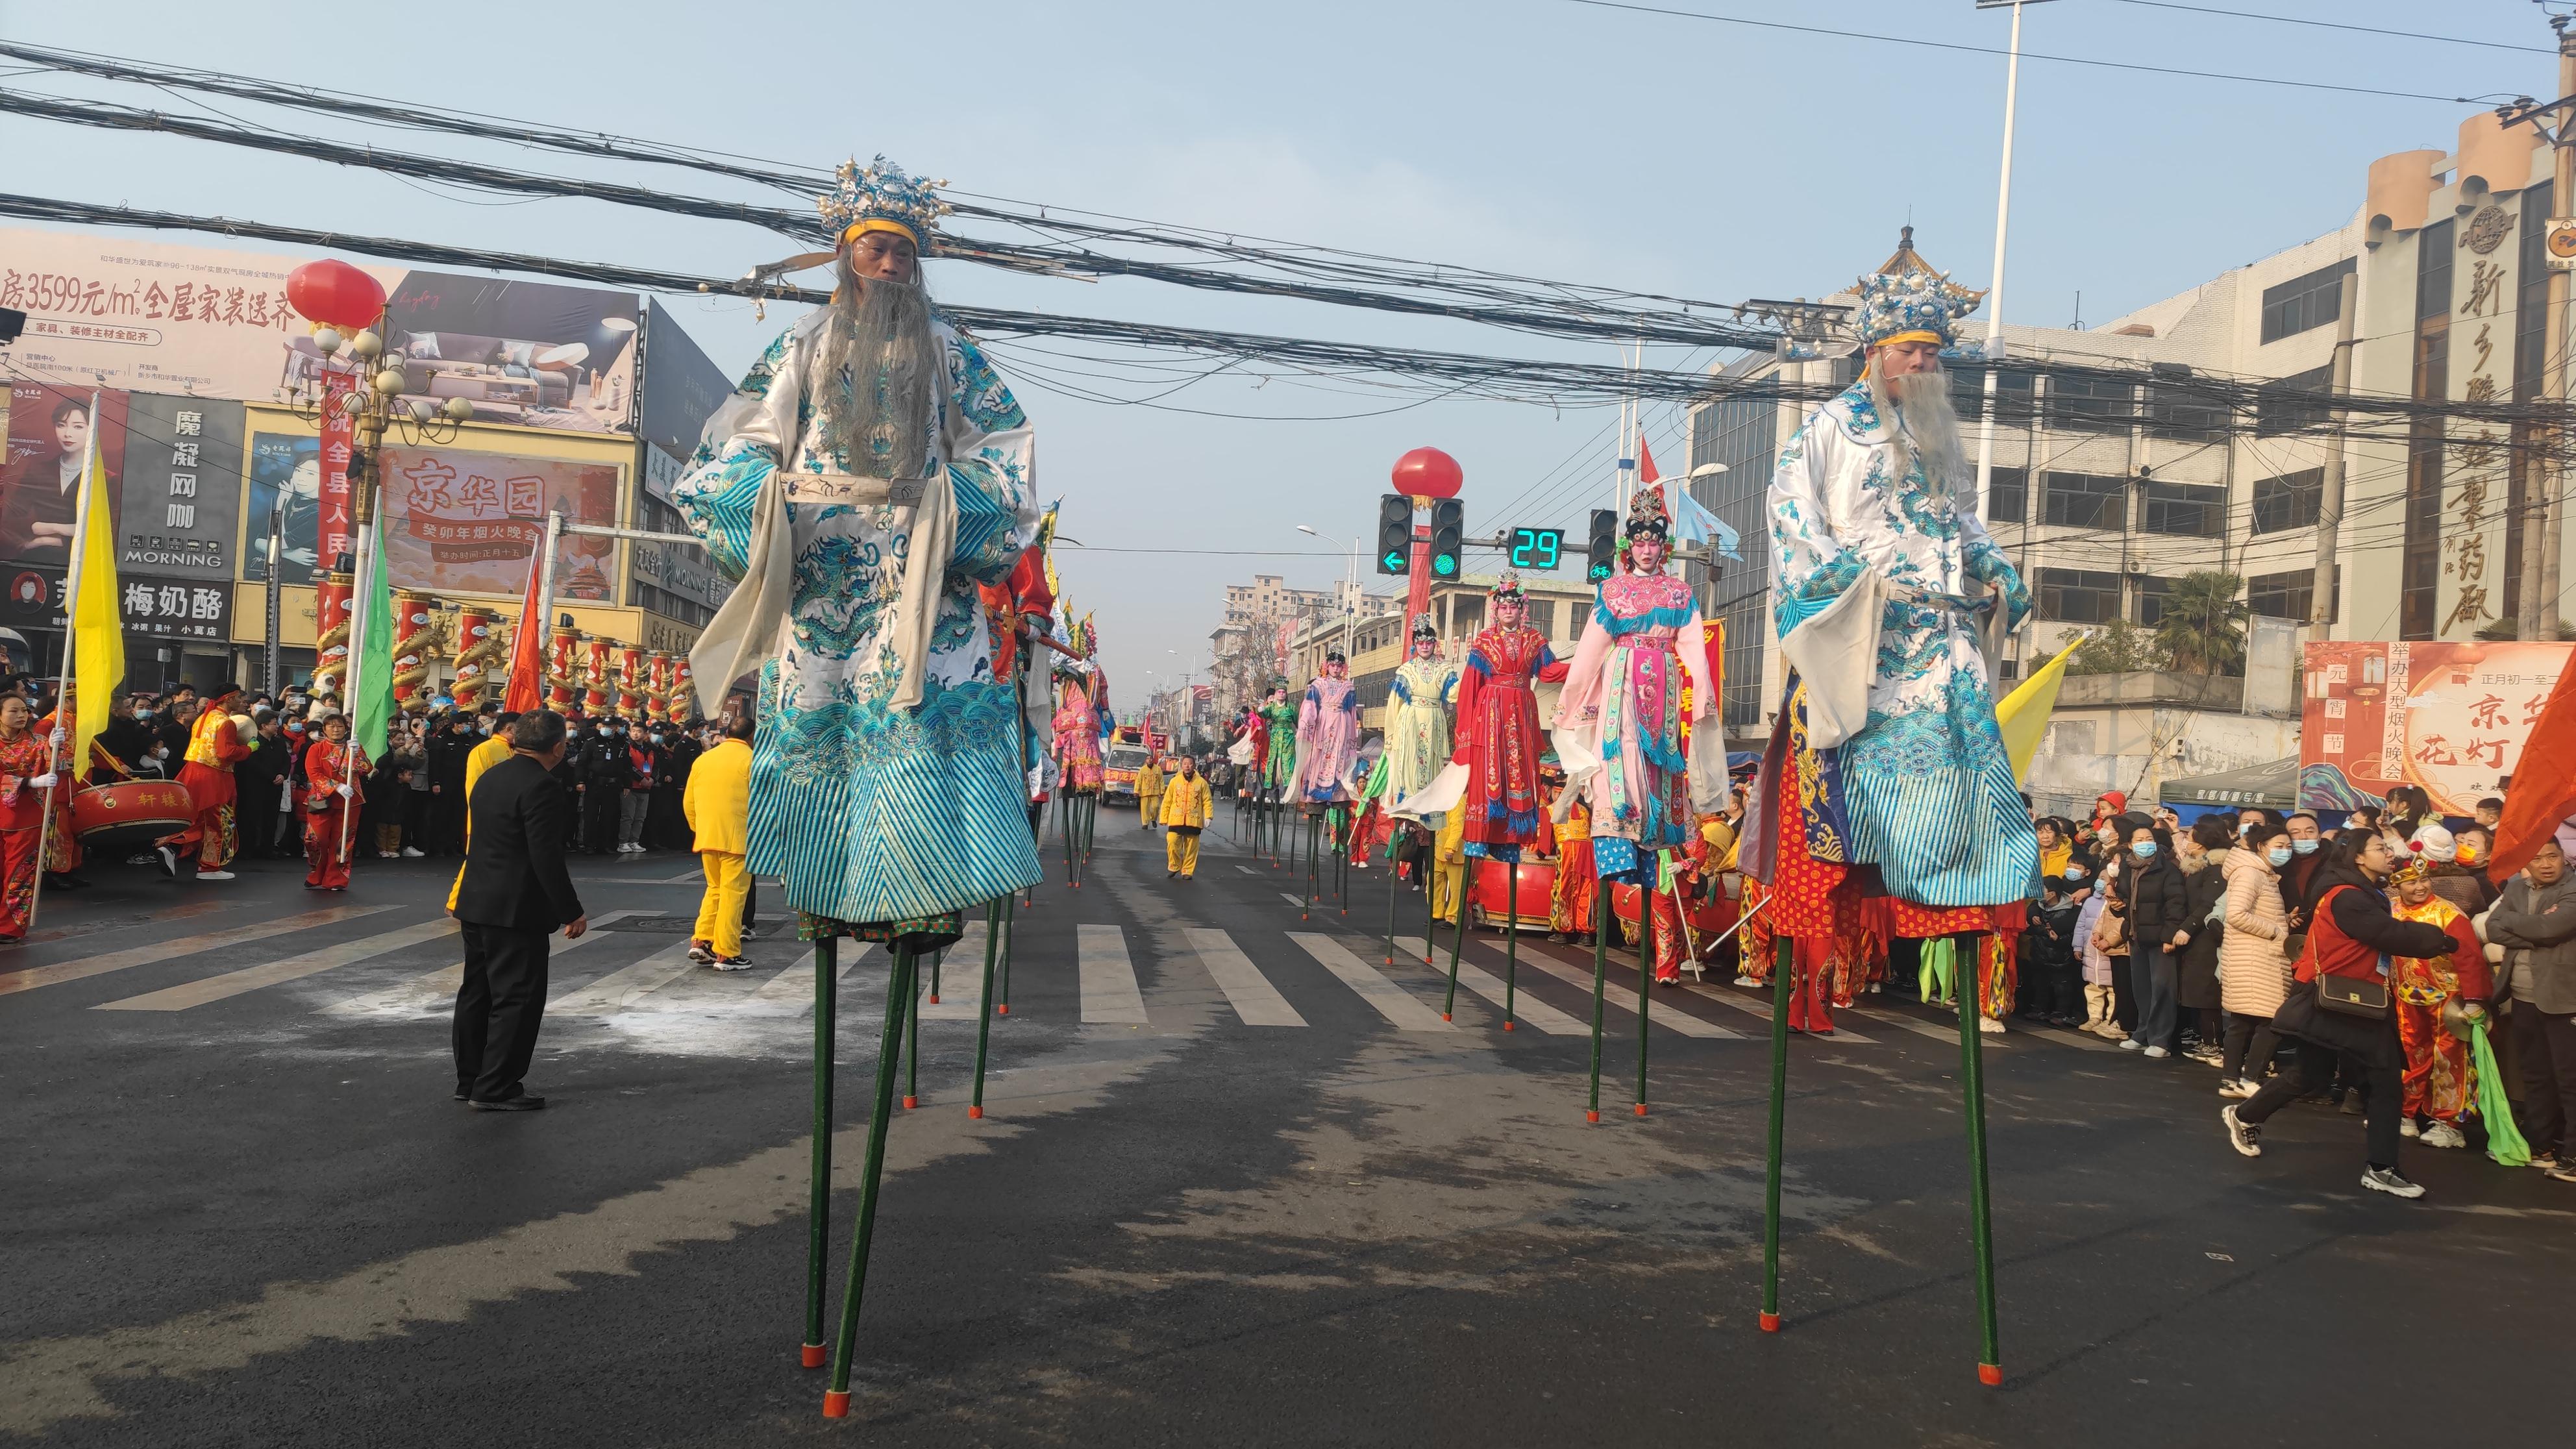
(2202, 627)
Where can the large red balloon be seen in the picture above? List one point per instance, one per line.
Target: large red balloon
(1428, 473)
(336, 293)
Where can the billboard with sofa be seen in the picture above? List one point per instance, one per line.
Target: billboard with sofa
(145, 316)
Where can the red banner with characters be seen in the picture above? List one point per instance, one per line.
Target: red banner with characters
(462, 522)
(339, 444)
(2449, 717)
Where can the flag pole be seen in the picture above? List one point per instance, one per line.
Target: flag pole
(358, 588)
(63, 676)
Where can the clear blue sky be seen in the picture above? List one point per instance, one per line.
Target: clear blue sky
(1537, 136)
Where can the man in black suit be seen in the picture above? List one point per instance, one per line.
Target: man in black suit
(514, 893)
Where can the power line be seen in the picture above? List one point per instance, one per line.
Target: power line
(2033, 55)
(2340, 25)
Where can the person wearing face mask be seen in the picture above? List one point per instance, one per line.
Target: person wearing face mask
(666, 825)
(2101, 940)
(2196, 974)
(2452, 873)
(2152, 886)
(605, 773)
(2307, 853)
(635, 802)
(2254, 967)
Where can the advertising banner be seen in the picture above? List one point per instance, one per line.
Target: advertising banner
(49, 436)
(167, 609)
(182, 496)
(337, 518)
(685, 572)
(291, 464)
(194, 321)
(2448, 717)
(464, 522)
(681, 387)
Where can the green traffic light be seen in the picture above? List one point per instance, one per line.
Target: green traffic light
(1444, 564)
(1394, 560)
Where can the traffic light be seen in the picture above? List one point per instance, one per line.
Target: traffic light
(1394, 534)
(1603, 546)
(1448, 527)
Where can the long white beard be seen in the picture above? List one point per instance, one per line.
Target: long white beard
(1923, 426)
(876, 365)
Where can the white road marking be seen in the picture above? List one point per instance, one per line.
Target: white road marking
(433, 989)
(292, 968)
(29, 978)
(626, 985)
(961, 979)
(794, 984)
(1298, 901)
(1626, 1000)
(1109, 993)
(1253, 997)
(1760, 1007)
(1393, 1002)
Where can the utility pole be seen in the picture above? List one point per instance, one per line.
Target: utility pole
(2543, 516)
(1995, 296)
(2321, 596)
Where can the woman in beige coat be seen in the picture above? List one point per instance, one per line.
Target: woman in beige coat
(2253, 966)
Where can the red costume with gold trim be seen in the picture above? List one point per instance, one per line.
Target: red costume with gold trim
(214, 747)
(327, 764)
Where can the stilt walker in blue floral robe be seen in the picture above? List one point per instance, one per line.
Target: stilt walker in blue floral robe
(869, 474)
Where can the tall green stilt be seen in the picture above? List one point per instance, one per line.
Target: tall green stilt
(1600, 970)
(994, 916)
(836, 1399)
(1645, 967)
(936, 957)
(1430, 914)
(1783, 964)
(1009, 926)
(818, 1201)
(1390, 911)
(1972, 1078)
(912, 1038)
(1457, 943)
(1511, 936)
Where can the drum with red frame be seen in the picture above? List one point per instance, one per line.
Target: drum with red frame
(1708, 919)
(130, 814)
(1491, 885)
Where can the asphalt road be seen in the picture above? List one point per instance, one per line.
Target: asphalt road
(1287, 1206)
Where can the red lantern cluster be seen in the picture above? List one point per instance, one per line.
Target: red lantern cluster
(1428, 473)
(337, 294)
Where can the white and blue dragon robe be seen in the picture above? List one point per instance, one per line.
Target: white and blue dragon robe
(1923, 791)
(868, 813)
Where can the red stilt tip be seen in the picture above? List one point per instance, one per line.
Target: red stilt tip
(1641, 1109)
(836, 1404)
(1770, 1323)
(1590, 1115)
(1002, 1008)
(813, 1354)
(1507, 1026)
(1444, 1016)
(1991, 1375)
(934, 998)
(974, 1114)
(911, 1102)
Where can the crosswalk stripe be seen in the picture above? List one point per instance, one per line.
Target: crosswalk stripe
(794, 985)
(1299, 902)
(626, 984)
(1907, 1023)
(183, 911)
(1625, 1000)
(437, 988)
(1525, 1007)
(961, 979)
(1761, 1007)
(29, 978)
(1393, 1002)
(293, 968)
(1109, 993)
(1253, 997)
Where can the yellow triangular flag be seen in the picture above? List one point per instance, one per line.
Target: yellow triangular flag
(98, 639)
(2023, 714)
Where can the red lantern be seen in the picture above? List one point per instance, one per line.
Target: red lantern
(1428, 473)
(331, 291)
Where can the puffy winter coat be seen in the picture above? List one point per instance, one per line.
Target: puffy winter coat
(2253, 970)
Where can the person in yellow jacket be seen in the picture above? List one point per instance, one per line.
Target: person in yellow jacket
(717, 805)
(1449, 865)
(1185, 814)
(482, 757)
(1149, 793)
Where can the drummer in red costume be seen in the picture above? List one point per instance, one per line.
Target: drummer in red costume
(26, 782)
(333, 770)
(214, 746)
(1498, 735)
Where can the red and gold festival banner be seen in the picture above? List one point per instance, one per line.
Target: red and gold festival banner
(562, 670)
(2449, 717)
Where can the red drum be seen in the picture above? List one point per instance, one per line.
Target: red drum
(130, 814)
(1491, 885)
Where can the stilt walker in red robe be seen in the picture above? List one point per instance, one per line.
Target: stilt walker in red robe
(335, 773)
(1498, 735)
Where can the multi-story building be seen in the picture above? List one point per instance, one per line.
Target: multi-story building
(1375, 646)
(1251, 646)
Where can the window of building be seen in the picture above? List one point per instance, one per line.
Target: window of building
(2181, 411)
(2433, 270)
(2091, 405)
(2303, 302)
(2288, 501)
(2288, 595)
(1542, 616)
(2079, 596)
(2008, 495)
(2293, 404)
(2014, 394)
(2084, 500)
(1743, 433)
(2151, 600)
(2184, 509)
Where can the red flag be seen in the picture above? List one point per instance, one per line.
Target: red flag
(526, 691)
(2542, 794)
(1646, 463)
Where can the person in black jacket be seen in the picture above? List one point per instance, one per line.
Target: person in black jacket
(259, 780)
(2048, 956)
(128, 739)
(514, 893)
(605, 773)
(2158, 904)
(2196, 974)
(448, 745)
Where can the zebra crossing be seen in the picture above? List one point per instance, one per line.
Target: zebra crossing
(1289, 979)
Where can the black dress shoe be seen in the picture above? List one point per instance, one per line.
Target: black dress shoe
(463, 1095)
(521, 1103)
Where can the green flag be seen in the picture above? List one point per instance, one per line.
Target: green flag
(374, 677)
